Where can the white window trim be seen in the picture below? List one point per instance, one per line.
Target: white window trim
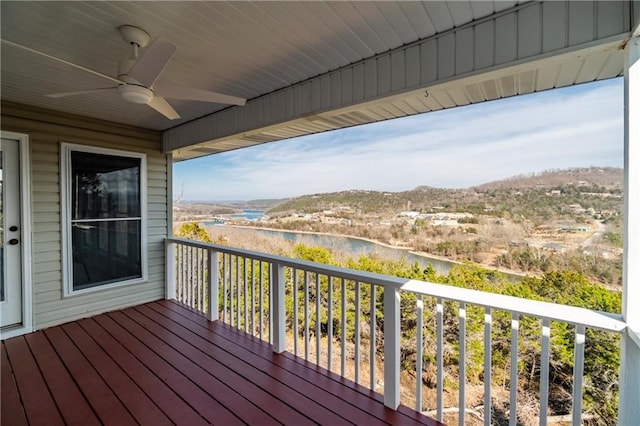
(65, 202)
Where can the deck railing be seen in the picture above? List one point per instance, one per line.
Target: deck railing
(327, 315)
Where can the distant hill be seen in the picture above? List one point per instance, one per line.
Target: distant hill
(527, 195)
(607, 177)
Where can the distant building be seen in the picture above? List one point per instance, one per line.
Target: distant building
(411, 214)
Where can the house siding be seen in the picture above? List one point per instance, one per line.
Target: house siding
(47, 130)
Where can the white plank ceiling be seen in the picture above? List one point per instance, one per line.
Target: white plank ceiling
(245, 49)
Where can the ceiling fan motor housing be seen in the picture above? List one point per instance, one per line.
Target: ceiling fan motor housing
(135, 94)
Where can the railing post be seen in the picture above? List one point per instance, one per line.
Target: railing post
(391, 347)
(170, 270)
(629, 406)
(212, 300)
(279, 313)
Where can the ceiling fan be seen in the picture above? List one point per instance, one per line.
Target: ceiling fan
(137, 79)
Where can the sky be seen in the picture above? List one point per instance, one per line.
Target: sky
(579, 126)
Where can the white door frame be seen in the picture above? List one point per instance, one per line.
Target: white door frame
(25, 200)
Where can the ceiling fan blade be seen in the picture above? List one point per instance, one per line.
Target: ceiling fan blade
(173, 91)
(79, 92)
(46, 55)
(163, 107)
(152, 61)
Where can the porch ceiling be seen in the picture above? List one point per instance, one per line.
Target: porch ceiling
(245, 49)
(307, 67)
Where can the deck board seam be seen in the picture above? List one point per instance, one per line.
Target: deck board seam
(67, 360)
(105, 370)
(178, 374)
(41, 377)
(145, 371)
(66, 371)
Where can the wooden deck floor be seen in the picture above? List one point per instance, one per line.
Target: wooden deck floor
(160, 363)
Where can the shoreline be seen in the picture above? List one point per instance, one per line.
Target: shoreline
(410, 250)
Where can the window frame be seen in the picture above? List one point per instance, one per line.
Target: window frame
(66, 150)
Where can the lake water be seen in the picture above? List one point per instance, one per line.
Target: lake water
(249, 214)
(351, 246)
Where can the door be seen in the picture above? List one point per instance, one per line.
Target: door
(10, 234)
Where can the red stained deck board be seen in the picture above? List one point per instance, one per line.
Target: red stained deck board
(337, 404)
(241, 393)
(164, 397)
(109, 408)
(163, 363)
(37, 401)
(74, 408)
(311, 401)
(357, 395)
(166, 365)
(11, 411)
(136, 401)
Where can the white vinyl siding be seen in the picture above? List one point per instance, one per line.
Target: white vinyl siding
(46, 131)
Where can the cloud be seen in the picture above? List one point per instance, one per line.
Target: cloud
(579, 126)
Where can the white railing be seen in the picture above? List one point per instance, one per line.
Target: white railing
(327, 316)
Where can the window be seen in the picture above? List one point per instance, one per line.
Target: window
(104, 223)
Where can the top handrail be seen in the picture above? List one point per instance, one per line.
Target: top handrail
(544, 310)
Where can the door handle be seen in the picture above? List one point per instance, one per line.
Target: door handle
(13, 228)
(13, 241)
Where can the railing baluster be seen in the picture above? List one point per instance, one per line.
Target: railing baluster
(203, 268)
(372, 339)
(513, 385)
(343, 337)
(238, 287)
(578, 373)
(246, 293)
(261, 301)
(318, 320)
(271, 284)
(232, 268)
(487, 367)
(212, 285)
(178, 271)
(306, 315)
(330, 323)
(225, 260)
(183, 271)
(295, 311)
(439, 359)
(198, 278)
(544, 371)
(419, 349)
(462, 362)
(253, 297)
(185, 283)
(356, 332)
(190, 265)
